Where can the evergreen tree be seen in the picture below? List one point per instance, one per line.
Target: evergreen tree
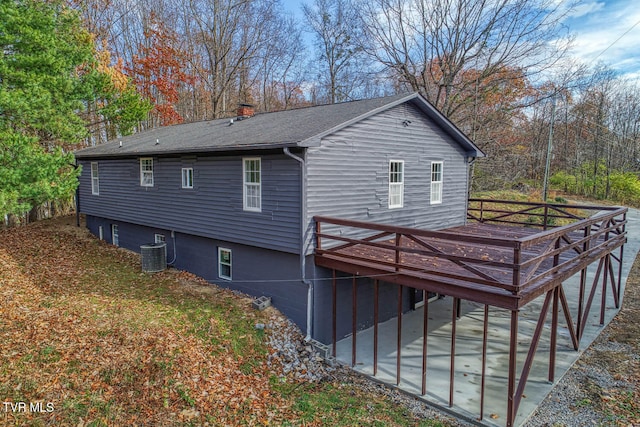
(48, 75)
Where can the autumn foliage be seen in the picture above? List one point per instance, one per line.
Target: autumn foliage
(83, 329)
(159, 70)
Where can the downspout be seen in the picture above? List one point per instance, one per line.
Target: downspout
(303, 258)
(75, 166)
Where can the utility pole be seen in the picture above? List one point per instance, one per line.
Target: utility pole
(549, 145)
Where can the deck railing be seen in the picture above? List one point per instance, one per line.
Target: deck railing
(493, 262)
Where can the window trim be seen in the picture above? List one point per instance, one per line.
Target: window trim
(189, 174)
(437, 201)
(245, 185)
(220, 264)
(95, 179)
(143, 171)
(399, 184)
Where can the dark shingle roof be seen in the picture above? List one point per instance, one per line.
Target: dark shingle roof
(289, 128)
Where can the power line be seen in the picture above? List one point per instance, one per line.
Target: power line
(617, 40)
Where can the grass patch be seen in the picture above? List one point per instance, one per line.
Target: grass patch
(332, 404)
(532, 218)
(85, 329)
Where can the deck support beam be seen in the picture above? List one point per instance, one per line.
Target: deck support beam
(454, 317)
(376, 290)
(354, 319)
(334, 310)
(399, 347)
(540, 264)
(511, 376)
(425, 333)
(485, 333)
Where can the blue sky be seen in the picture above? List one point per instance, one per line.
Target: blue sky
(597, 25)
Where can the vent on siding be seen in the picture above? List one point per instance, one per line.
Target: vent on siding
(154, 257)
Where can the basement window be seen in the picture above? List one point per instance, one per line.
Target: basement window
(224, 263)
(115, 236)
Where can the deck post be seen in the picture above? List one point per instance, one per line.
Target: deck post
(425, 332)
(485, 333)
(554, 334)
(546, 213)
(334, 314)
(516, 268)
(375, 326)
(397, 258)
(605, 278)
(318, 238)
(399, 347)
(511, 378)
(354, 319)
(453, 349)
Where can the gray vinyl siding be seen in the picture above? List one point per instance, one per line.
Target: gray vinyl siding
(213, 208)
(348, 174)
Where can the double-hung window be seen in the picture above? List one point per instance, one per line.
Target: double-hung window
(224, 263)
(396, 183)
(436, 182)
(187, 177)
(251, 188)
(95, 179)
(146, 172)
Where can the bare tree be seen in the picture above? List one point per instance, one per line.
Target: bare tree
(431, 44)
(339, 62)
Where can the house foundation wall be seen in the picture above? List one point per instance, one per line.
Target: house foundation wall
(323, 303)
(255, 271)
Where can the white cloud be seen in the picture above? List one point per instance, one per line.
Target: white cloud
(586, 8)
(600, 34)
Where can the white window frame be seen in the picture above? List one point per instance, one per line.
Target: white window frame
(225, 264)
(187, 177)
(95, 179)
(160, 238)
(251, 202)
(396, 188)
(115, 235)
(437, 185)
(146, 171)
(100, 232)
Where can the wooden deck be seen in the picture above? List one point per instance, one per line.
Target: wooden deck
(485, 261)
(508, 254)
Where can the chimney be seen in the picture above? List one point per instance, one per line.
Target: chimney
(245, 111)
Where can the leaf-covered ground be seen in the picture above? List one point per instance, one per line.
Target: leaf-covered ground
(87, 339)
